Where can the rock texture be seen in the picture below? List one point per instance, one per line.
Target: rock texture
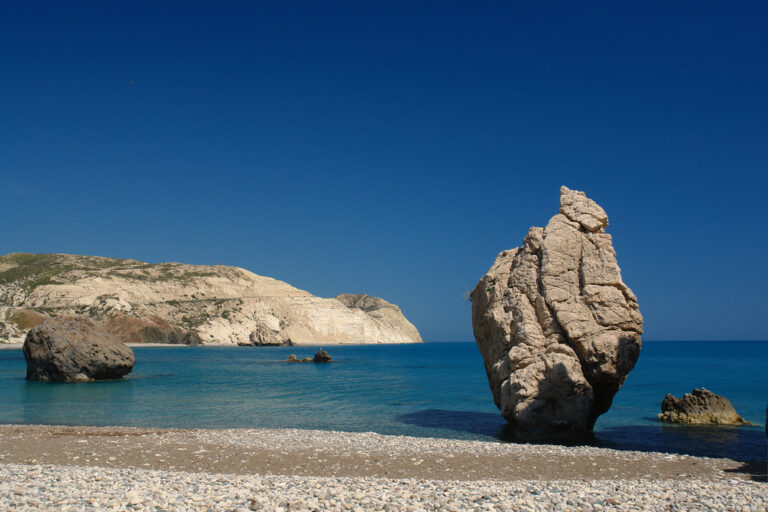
(73, 350)
(190, 304)
(558, 329)
(700, 407)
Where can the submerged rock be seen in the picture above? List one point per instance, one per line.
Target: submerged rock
(700, 407)
(75, 349)
(558, 329)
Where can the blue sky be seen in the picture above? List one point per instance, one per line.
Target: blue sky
(394, 148)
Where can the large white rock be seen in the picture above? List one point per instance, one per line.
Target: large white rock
(558, 329)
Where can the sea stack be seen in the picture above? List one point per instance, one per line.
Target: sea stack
(75, 350)
(557, 327)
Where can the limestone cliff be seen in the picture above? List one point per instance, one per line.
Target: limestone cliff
(189, 304)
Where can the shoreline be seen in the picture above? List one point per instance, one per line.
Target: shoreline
(340, 454)
(89, 468)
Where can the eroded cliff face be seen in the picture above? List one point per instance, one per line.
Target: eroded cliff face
(558, 329)
(190, 304)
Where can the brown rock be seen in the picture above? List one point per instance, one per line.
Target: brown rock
(700, 407)
(151, 329)
(75, 349)
(321, 356)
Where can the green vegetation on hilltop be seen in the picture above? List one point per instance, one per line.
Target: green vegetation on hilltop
(33, 270)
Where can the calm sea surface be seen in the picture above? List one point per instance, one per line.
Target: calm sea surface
(434, 390)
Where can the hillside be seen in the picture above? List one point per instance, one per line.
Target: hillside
(190, 304)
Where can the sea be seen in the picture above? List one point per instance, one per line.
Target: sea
(423, 390)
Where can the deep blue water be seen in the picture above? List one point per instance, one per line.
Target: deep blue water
(434, 389)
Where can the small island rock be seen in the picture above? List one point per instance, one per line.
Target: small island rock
(557, 327)
(321, 356)
(75, 350)
(700, 407)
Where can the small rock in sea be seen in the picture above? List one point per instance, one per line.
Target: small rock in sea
(700, 407)
(292, 359)
(321, 356)
(75, 350)
(306, 360)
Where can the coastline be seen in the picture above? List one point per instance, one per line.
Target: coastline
(250, 467)
(235, 345)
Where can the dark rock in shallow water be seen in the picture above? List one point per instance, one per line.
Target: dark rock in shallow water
(75, 350)
(321, 356)
(557, 327)
(700, 407)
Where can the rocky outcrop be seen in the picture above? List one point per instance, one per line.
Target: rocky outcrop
(176, 303)
(75, 350)
(558, 329)
(321, 356)
(700, 407)
(293, 359)
(263, 336)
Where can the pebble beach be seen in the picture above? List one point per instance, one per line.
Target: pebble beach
(117, 468)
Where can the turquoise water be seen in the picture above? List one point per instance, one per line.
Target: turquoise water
(434, 390)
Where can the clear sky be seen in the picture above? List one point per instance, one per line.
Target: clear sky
(394, 148)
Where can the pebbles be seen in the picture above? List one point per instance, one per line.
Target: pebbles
(119, 468)
(343, 454)
(65, 488)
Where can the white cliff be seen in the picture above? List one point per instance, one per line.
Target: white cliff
(192, 304)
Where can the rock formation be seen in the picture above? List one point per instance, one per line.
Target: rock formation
(321, 356)
(558, 329)
(75, 350)
(190, 304)
(700, 407)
